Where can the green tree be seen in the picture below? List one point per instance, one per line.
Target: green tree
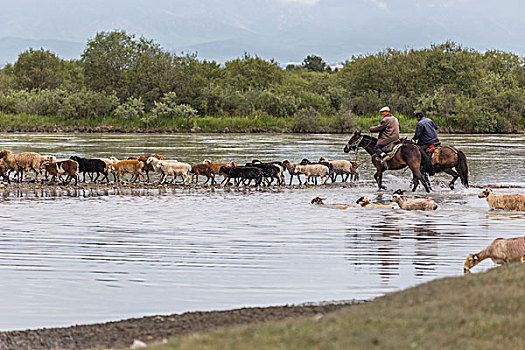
(314, 63)
(38, 69)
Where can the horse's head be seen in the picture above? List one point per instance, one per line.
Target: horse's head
(354, 141)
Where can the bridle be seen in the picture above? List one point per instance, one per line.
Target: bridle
(358, 141)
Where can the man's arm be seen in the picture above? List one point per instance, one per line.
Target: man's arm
(379, 127)
(418, 132)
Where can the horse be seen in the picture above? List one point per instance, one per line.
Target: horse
(406, 155)
(445, 158)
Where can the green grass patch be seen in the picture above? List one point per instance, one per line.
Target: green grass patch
(477, 311)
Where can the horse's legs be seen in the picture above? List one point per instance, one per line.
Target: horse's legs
(425, 177)
(379, 179)
(418, 176)
(454, 177)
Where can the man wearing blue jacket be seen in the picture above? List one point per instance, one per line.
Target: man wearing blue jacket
(425, 134)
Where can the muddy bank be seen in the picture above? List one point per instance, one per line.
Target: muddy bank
(121, 334)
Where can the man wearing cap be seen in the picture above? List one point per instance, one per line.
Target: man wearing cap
(425, 134)
(388, 132)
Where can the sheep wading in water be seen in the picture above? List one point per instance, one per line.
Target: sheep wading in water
(413, 204)
(364, 202)
(504, 201)
(320, 201)
(501, 251)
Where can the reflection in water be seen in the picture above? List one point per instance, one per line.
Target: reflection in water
(97, 253)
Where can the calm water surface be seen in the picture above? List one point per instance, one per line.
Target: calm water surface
(82, 256)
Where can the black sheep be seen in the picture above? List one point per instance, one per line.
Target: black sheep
(270, 170)
(243, 173)
(91, 165)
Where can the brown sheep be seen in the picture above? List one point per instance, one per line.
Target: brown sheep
(65, 167)
(215, 169)
(203, 170)
(501, 251)
(364, 202)
(128, 166)
(147, 167)
(504, 201)
(319, 201)
(23, 162)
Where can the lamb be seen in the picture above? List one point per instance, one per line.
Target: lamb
(128, 166)
(291, 170)
(504, 201)
(148, 167)
(243, 173)
(91, 165)
(501, 251)
(23, 162)
(343, 167)
(319, 201)
(314, 170)
(364, 202)
(173, 168)
(413, 204)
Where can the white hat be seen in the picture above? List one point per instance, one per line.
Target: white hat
(384, 109)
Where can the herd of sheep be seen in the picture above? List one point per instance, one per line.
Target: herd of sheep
(260, 173)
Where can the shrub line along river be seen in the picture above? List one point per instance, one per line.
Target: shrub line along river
(83, 256)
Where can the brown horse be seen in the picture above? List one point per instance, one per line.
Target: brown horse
(406, 155)
(446, 158)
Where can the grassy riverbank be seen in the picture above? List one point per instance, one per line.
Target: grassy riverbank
(477, 311)
(254, 124)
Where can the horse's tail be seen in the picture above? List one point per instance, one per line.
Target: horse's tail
(426, 163)
(462, 168)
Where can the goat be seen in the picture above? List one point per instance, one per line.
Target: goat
(128, 166)
(319, 201)
(314, 170)
(23, 162)
(147, 167)
(64, 167)
(504, 201)
(501, 251)
(342, 167)
(91, 165)
(243, 173)
(364, 202)
(291, 170)
(413, 204)
(173, 168)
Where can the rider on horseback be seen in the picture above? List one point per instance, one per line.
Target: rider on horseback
(388, 133)
(426, 134)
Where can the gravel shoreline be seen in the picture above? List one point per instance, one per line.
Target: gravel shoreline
(149, 329)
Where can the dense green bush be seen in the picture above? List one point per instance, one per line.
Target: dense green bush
(135, 80)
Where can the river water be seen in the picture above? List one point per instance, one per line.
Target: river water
(83, 256)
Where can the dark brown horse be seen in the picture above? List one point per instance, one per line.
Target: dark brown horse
(446, 158)
(406, 155)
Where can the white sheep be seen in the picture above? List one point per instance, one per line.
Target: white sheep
(501, 251)
(504, 201)
(343, 167)
(413, 204)
(313, 170)
(173, 168)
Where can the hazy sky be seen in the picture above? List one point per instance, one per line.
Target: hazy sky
(283, 29)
